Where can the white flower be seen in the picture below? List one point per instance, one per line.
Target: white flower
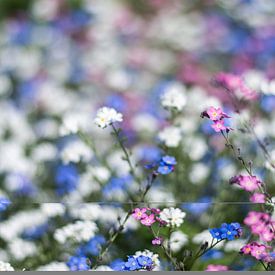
(54, 266)
(76, 151)
(74, 122)
(171, 136)
(81, 231)
(5, 266)
(177, 240)
(174, 97)
(106, 116)
(53, 209)
(172, 216)
(20, 249)
(234, 245)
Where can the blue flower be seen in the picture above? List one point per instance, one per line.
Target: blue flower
(165, 166)
(145, 262)
(226, 231)
(168, 160)
(92, 247)
(66, 179)
(4, 203)
(78, 264)
(35, 232)
(132, 264)
(165, 169)
(118, 265)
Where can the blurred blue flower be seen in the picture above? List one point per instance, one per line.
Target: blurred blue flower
(92, 247)
(35, 232)
(78, 263)
(66, 179)
(4, 203)
(212, 254)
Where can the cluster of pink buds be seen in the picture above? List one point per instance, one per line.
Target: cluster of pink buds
(217, 116)
(261, 224)
(236, 84)
(259, 252)
(148, 216)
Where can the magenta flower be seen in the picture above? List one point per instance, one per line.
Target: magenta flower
(257, 198)
(148, 220)
(139, 214)
(213, 267)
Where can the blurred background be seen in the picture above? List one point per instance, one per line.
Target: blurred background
(62, 60)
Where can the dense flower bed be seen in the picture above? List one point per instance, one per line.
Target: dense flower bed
(137, 135)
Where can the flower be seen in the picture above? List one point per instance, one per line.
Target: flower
(4, 203)
(215, 113)
(145, 262)
(157, 241)
(218, 126)
(132, 264)
(106, 116)
(213, 267)
(258, 251)
(172, 216)
(78, 263)
(5, 266)
(138, 213)
(226, 231)
(174, 97)
(170, 136)
(257, 198)
(165, 166)
(148, 220)
(247, 183)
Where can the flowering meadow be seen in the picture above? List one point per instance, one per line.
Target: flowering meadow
(137, 135)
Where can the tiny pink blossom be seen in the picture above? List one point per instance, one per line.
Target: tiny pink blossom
(249, 183)
(257, 198)
(218, 126)
(252, 218)
(258, 251)
(213, 267)
(267, 235)
(157, 241)
(138, 213)
(148, 220)
(214, 113)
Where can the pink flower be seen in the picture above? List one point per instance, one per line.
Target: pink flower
(218, 126)
(215, 114)
(258, 251)
(213, 267)
(246, 249)
(257, 198)
(138, 213)
(157, 241)
(252, 218)
(148, 220)
(267, 235)
(258, 228)
(249, 183)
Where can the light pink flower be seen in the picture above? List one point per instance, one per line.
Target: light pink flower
(249, 183)
(252, 218)
(258, 251)
(218, 126)
(213, 267)
(138, 213)
(148, 220)
(257, 198)
(214, 113)
(267, 235)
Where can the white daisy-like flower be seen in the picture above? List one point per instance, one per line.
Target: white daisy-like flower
(172, 216)
(5, 266)
(170, 136)
(174, 97)
(106, 116)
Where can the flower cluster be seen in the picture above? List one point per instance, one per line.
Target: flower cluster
(216, 115)
(226, 231)
(136, 263)
(213, 267)
(236, 84)
(261, 224)
(147, 216)
(164, 166)
(247, 183)
(259, 252)
(106, 116)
